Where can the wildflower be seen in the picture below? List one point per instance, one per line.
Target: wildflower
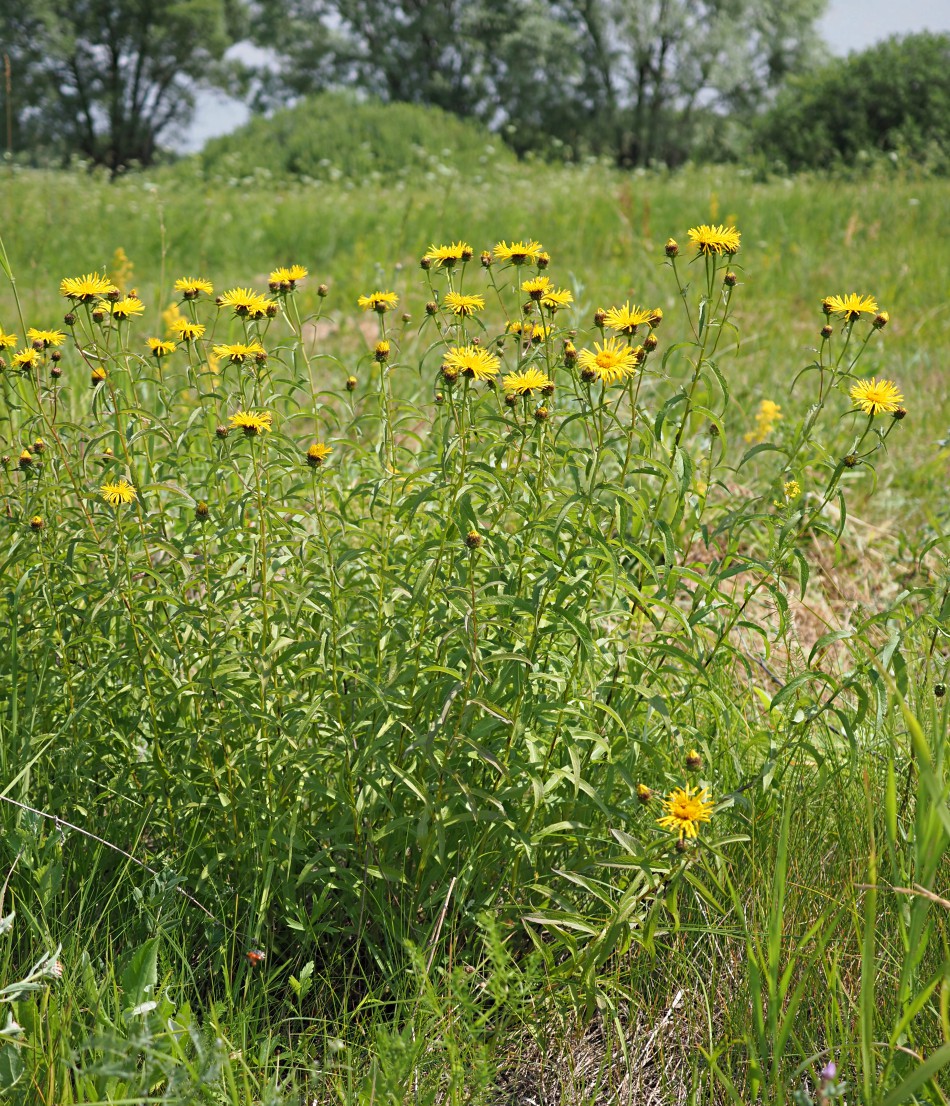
(486, 259)
(712, 239)
(730, 279)
(791, 489)
(524, 383)
(849, 307)
(238, 352)
(536, 287)
(880, 320)
(875, 397)
(650, 342)
(351, 383)
(26, 359)
(570, 354)
(472, 361)
(380, 302)
(541, 414)
(118, 492)
(556, 299)
(285, 278)
(97, 375)
(39, 446)
(518, 253)
(381, 352)
(530, 331)
(192, 287)
(899, 413)
(693, 760)
(672, 247)
(317, 454)
(626, 319)
(245, 302)
(7, 341)
(86, 288)
(37, 523)
(644, 794)
(768, 414)
(463, 305)
(251, 422)
(600, 317)
(45, 338)
(827, 330)
(186, 331)
(447, 257)
(160, 348)
(25, 459)
(543, 260)
(221, 431)
(124, 308)
(851, 461)
(323, 290)
(656, 317)
(473, 539)
(686, 808)
(612, 361)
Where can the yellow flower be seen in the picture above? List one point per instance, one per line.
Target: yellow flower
(286, 277)
(380, 302)
(518, 253)
(768, 414)
(556, 299)
(186, 330)
(118, 492)
(686, 808)
(7, 341)
(531, 331)
(192, 287)
(245, 302)
(875, 397)
(536, 287)
(238, 352)
(712, 239)
(612, 362)
(317, 454)
(26, 359)
(626, 319)
(472, 361)
(251, 422)
(524, 383)
(160, 348)
(792, 489)
(98, 375)
(445, 257)
(463, 305)
(121, 270)
(47, 337)
(124, 308)
(88, 287)
(850, 307)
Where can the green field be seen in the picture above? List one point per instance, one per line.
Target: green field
(382, 718)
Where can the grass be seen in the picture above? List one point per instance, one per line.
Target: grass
(382, 719)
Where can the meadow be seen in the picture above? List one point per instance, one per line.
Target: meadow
(421, 686)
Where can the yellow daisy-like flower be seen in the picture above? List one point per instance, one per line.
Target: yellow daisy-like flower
(768, 414)
(89, 287)
(47, 337)
(556, 299)
(712, 239)
(473, 361)
(686, 809)
(317, 454)
(380, 302)
(525, 382)
(251, 422)
(186, 330)
(612, 361)
(463, 305)
(876, 397)
(7, 341)
(192, 287)
(238, 352)
(97, 375)
(245, 302)
(124, 308)
(286, 275)
(118, 492)
(446, 257)
(626, 319)
(159, 347)
(518, 253)
(536, 287)
(26, 359)
(850, 307)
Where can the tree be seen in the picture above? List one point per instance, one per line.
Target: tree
(626, 76)
(108, 78)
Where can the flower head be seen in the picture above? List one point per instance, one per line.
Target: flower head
(124, 308)
(524, 383)
(611, 362)
(26, 358)
(317, 454)
(380, 302)
(768, 414)
(86, 288)
(118, 492)
(850, 307)
(536, 287)
(791, 489)
(557, 298)
(46, 338)
(463, 305)
(186, 331)
(285, 277)
(518, 253)
(251, 422)
(7, 341)
(626, 319)
(238, 352)
(875, 397)
(718, 240)
(472, 361)
(97, 375)
(447, 257)
(686, 808)
(245, 302)
(192, 287)
(160, 348)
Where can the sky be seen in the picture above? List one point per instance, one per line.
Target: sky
(847, 25)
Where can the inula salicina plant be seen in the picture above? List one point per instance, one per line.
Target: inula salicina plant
(367, 651)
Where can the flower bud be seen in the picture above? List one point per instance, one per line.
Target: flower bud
(55, 371)
(588, 376)
(425, 263)
(644, 794)
(510, 399)
(899, 413)
(26, 459)
(98, 315)
(222, 431)
(730, 279)
(351, 383)
(543, 260)
(650, 342)
(827, 330)
(541, 414)
(381, 352)
(97, 375)
(39, 446)
(693, 760)
(449, 374)
(473, 539)
(851, 461)
(827, 306)
(431, 307)
(440, 398)
(201, 509)
(656, 317)
(322, 291)
(69, 319)
(880, 320)
(36, 523)
(599, 315)
(672, 248)
(467, 253)
(486, 259)
(406, 317)
(570, 354)
(55, 355)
